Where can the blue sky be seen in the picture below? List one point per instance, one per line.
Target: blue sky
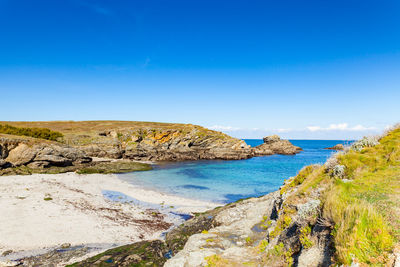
(302, 69)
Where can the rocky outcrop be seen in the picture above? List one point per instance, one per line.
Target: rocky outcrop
(156, 252)
(25, 152)
(129, 141)
(336, 147)
(255, 230)
(191, 143)
(275, 145)
(156, 141)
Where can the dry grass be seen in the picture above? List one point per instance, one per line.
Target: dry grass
(87, 132)
(299, 178)
(90, 126)
(366, 210)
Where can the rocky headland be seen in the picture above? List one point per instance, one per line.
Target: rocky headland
(31, 147)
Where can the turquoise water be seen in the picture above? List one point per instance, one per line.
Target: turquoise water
(227, 181)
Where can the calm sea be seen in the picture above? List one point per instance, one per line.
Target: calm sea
(227, 181)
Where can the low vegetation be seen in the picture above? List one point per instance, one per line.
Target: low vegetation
(299, 178)
(216, 261)
(359, 192)
(114, 167)
(304, 237)
(366, 209)
(42, 133)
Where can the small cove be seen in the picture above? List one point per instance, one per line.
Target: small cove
(227, 181)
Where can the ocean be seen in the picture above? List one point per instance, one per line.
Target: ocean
(227, 181)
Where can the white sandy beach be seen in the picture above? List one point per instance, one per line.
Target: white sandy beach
(76, 212)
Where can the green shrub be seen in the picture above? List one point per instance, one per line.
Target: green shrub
(304, 237)
(263, 245)
(42, 133)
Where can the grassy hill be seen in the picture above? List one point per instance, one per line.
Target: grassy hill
(87, 127)
(360, 199)
(84, 132)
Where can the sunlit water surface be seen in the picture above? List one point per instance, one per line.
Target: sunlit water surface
(227, 181)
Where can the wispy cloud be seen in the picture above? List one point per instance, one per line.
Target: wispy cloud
(223, 128)
(282, 130)
(231, 128)
(332, 127)
(340, 127)
(332, 131)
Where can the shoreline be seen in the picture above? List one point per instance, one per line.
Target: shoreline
(47, 211)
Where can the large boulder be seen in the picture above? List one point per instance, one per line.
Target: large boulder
(6, 145)
(336, 147)
(45, 155)
(271, 139)
(61, 156)
(275, 145)
(21, 155)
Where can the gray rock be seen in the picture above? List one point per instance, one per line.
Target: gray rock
(39, 154)
(309, 208)
(271, 139)
(39, 164)
(275, 145)
(336, 147)
(8, 263)
(7, 252)
(311, 257)
(21, 155)
(65, 245)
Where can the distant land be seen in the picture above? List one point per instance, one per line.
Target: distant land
(71, 145)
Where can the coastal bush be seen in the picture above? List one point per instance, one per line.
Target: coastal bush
(368, 141)
(42, 133)
(248, 240)
(338, 171)
(283, 222)
(263, 245)
(304, 237)
(308, 209)
(331, 163)
(216, 261)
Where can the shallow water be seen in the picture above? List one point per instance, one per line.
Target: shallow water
(227, 181)
(168, 210)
